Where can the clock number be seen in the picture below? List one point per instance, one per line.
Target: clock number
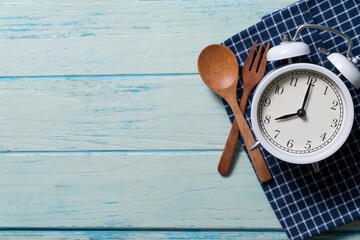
(326, 90)
(335, 103)
(267, 102)
(308, 145)
(276, 133)
(335, 123)
(279, 89)
(323, 137)
(290, 143)
(267, 119)
(294, 81)
(312, 80)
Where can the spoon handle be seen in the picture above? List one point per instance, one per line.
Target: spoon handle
(232, 140)
(229, 150)
(256, 157)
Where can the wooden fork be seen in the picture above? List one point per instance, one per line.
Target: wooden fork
(251, 75)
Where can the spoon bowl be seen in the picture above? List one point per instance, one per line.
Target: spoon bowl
(218, 68)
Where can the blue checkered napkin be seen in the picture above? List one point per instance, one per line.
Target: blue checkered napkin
(306, 203)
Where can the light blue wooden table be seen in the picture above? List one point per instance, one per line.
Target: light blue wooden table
(107, 131)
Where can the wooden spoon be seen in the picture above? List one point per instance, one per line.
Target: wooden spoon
(219, 70)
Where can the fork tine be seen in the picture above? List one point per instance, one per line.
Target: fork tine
(249, 59)
(262, 66)
(257, 58)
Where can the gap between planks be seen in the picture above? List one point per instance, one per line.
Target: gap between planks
(95, 77)
(112, 152)
(164, 234)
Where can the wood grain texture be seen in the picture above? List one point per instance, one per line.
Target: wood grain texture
(110, 113)
(112, 235)
(129, 190)
(117, 37)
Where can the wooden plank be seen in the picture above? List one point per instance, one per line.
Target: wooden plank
(110, 235)
(160, 235)
(162, 112)
(117, 37)
(122, 190)
(107, 235)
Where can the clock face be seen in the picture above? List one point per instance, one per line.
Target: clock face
(302, 113)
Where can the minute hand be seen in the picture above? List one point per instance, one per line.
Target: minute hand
(306, 95)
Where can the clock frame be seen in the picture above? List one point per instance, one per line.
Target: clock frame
(320, 154)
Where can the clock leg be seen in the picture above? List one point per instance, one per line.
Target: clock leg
(316, 166)
(256, 145)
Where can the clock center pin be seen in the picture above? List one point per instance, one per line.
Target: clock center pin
(301, 112)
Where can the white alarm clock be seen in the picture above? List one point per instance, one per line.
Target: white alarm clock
(303, 113)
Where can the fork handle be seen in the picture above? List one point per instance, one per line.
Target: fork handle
(256, 157)
(231, 142)
(230, 147)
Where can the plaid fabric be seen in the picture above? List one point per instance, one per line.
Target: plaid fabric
(307, 203)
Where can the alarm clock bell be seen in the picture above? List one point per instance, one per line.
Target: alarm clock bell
(346, 67)
(289, 49)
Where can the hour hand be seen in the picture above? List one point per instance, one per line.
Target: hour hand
(287, 116)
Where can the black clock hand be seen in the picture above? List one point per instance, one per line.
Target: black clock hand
(287, 116)
(306, 96)
(301, 112)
